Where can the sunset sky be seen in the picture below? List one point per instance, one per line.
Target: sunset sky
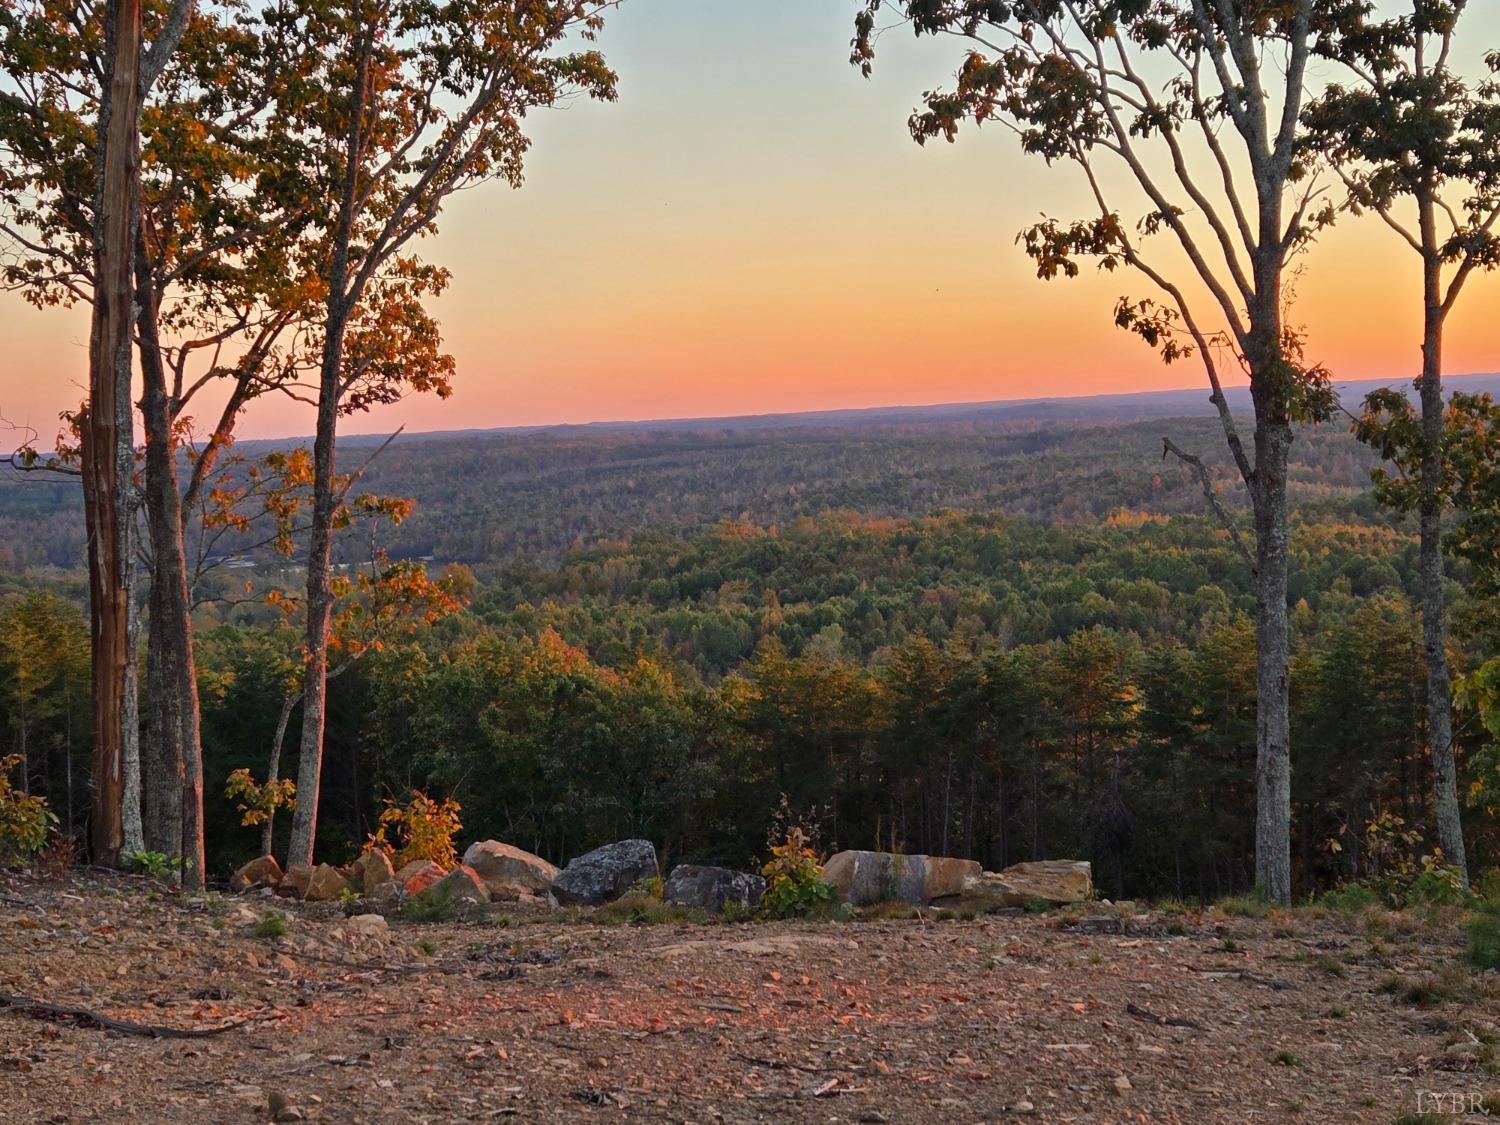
(751, 229)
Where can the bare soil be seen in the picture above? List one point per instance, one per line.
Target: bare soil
(1192, 1017)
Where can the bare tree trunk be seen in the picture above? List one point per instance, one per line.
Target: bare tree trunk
(319, 603)
(1450, 830)
(132, 828)
(176, 744)
(108, 457)
(161, 758)
(273, 769)
(1273, 766)
(340, 304)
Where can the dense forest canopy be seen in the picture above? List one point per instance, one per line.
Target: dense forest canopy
(1005, 641)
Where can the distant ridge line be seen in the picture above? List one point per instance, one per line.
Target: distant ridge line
(1122, 406)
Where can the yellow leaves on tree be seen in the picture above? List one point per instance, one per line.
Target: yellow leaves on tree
(420, 829)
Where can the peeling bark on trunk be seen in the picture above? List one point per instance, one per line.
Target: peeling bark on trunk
(108, 457)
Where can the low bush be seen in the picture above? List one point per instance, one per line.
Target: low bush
(25, 821)
(1484, 939)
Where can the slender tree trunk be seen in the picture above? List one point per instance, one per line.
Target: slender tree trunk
(319, 603)
(108, 457)
(161, 758)
(341, 303)
(176, 745)
(1273, 766)
(1450, 829)
(273, 769)
(132, 828)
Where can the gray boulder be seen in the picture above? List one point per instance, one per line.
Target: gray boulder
(604, 874)
(710, 888)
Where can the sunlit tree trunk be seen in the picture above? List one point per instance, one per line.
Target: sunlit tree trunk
(108, 458)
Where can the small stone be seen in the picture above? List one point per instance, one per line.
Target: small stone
(1122, 1085)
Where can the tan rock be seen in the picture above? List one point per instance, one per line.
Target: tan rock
(264, 871)
(462, 886)
(418, 875)
(325, 883)
(295, 882)
(369, 926)
(371, 869)
(1056, 881)
(508, 868)
(862, 878)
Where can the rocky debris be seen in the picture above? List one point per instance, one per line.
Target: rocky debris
(507, 870)
(263, 872)
(325, 883)
(1056, 881)
(710, 888)
(605, 874)
(295, 882)
(369, 926)
(863, 878)
(416, 876)
(371, 869)
(462, 886)
(386, 894)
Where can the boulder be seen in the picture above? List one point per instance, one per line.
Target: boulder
(369, 926)
(507, 870)
(418, 875)
(604, 874)
(265, 872)
(862, 878)
(462, 886)
(371, 869)
(295, 882)
(710, 888)
(325, 883)
(1055, 881)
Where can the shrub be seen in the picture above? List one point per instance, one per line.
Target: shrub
(430, 906)
(25, 821)
(423, 829)
(1484, 939)
(794, 878)
(272, 924)
(156, 864)
(642, 908)
(1351, 898)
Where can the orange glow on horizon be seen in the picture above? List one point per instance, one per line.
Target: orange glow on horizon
(775, 242)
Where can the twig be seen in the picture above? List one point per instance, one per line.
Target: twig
(1201, 471)
(778, 1064)
(42, 1010)
(1165, 1021)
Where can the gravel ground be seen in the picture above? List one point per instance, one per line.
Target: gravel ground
(1076, 1016)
